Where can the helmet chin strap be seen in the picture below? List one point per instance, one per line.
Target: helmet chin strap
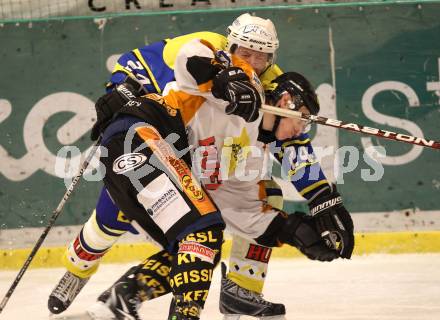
(265, 69)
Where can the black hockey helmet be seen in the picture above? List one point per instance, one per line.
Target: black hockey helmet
(300, 89)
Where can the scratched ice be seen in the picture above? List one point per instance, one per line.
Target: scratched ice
(374, 287)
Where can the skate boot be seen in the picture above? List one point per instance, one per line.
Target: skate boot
(120, 302)
(236, 301)
(65, 292)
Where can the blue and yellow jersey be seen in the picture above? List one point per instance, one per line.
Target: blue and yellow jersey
(300, 166)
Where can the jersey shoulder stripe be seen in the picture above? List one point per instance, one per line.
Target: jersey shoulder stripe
(173, 45)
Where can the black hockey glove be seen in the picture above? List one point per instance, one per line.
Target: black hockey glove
(109, 104)
(233, 85)
(301, 232)
(333, 221)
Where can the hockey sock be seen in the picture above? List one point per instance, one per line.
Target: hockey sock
(191, 272)
(84, 253)
(248, 263)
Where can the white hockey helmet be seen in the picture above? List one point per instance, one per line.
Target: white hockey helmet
(254, 33)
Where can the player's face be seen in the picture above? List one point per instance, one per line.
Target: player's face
(258, 60)
(290, 127)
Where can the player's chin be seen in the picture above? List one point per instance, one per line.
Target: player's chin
(297, 132)
(283, 136)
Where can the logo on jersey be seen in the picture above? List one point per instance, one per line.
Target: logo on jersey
(164, 201)
(191, 188)
(128, 161)
(159, 99)
(156, 97)
(236, 150)
(202, 252)
(258, 253)
(210, 164)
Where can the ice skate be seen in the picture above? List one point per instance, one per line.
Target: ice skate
(65, 292)
(236, 301)
(121, 302)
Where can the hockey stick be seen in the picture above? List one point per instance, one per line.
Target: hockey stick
(352, 127)
(52, 220)
(125, 90)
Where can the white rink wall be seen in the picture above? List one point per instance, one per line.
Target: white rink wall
(405, 220)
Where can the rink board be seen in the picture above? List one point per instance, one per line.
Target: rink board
(366, 243)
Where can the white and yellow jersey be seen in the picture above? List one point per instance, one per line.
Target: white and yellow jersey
(226, 153)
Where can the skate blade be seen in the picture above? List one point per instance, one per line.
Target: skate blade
(237, 317)
(231, 316)
(78, 316)
(100, 311)
(281, 317)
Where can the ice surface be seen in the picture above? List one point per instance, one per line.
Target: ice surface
(385, 287)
